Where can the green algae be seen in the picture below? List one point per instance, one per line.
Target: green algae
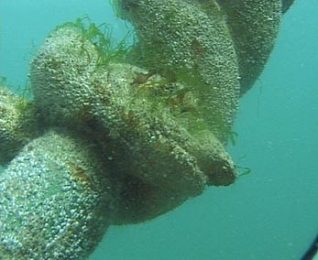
(101, 37)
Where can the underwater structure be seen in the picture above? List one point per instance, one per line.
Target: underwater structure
(120, 136)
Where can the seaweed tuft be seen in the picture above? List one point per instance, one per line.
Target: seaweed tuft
(101, 37)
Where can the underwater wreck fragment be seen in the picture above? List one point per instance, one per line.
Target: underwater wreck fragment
(56, 200)
(143, 135)
(140, 136)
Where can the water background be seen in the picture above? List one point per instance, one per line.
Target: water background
(271, 213)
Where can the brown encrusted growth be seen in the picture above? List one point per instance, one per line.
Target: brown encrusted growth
(80, 175)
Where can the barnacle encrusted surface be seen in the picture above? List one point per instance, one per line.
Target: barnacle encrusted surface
(61, 75)
(254, 26)
(17, 124)
(131, 114)
(162, 159)
(56, 200)
(182, 42)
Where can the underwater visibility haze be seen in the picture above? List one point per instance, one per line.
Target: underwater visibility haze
(147, 129)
